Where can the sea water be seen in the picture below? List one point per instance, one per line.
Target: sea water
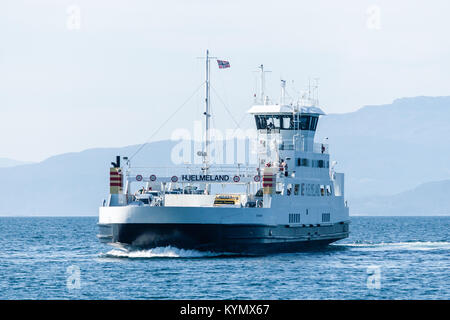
(384, 258)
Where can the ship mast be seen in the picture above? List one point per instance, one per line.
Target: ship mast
(263, 84)
(205, 146)
(207, 115)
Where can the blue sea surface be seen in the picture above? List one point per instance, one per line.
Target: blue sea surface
(384, 258)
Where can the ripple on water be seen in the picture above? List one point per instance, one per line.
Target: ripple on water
(394, 246)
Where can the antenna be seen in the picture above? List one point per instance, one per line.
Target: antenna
(314, 97)
(283, 92)
(297, 92)
(263, 83)
(309, 88)
(316, 91)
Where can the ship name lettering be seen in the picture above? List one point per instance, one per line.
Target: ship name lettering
(204, 177)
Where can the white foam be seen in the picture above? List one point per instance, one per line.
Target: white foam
(416, 245)
(159, 252)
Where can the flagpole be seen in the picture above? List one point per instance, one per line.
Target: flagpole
(207, 115)
(207, 136)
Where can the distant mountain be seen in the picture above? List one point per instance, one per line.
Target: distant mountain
(383, 150)
(387, 149)
(6, 162)
(427, 199)
(71, 183)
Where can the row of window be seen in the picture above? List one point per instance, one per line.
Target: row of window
(309, 189)
(286, 122)
(302, 162)
(295, 217)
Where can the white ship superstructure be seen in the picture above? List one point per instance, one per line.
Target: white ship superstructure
(292, 199)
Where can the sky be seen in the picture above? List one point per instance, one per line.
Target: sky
(82, 74)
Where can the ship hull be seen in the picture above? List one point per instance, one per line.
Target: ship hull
(241, 238)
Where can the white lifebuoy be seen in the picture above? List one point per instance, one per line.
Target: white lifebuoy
(236, 179)
(138, 177)
(152, 177)
(257, 178)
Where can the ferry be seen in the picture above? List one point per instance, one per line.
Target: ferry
(290, 200)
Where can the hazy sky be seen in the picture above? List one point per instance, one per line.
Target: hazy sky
(112, 78)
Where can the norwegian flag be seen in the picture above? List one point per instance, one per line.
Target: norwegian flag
(223, 64)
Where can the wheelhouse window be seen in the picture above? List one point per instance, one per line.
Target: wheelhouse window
(288, 122)
(284, 122)
(313, 124)
(304, 122)
(261, 122)
(308, 123)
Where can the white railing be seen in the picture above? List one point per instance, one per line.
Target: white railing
(240, 170)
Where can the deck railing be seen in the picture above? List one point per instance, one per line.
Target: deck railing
(240, 170)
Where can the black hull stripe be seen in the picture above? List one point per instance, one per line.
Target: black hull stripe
(220, 237)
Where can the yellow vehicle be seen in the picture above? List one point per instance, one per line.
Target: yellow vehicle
(227, 200)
